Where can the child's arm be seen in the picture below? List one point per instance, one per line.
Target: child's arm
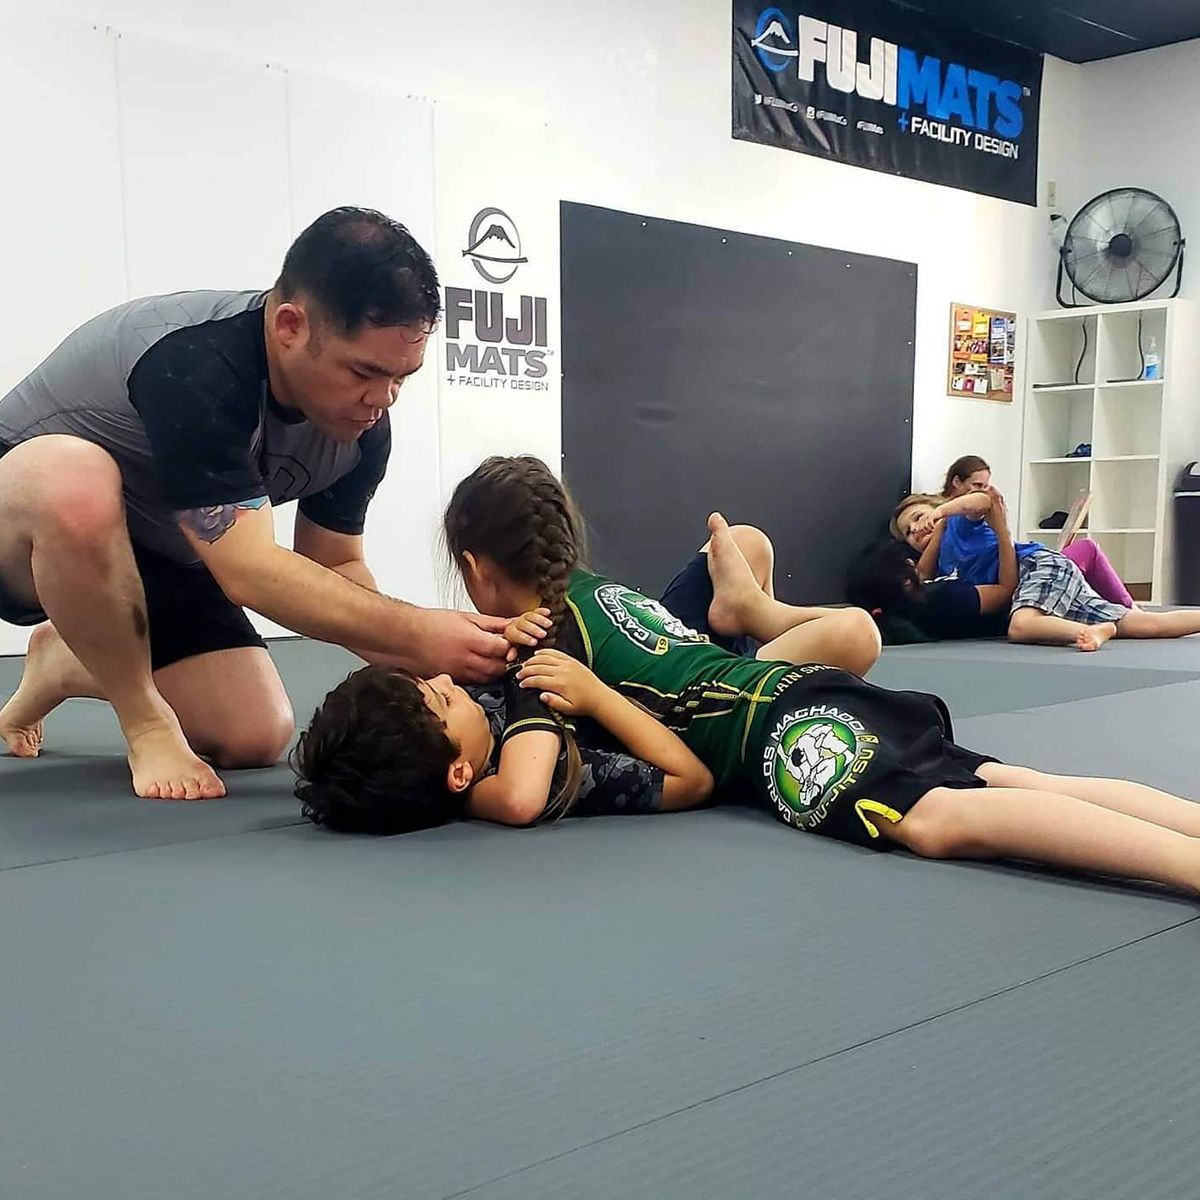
(927, 564)
(974, 505)
(567, 686)
(520, 789)
(995, 597)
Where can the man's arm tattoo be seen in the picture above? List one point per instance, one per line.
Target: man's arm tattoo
(213, 523)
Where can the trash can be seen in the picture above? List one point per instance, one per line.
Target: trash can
(1187, 535)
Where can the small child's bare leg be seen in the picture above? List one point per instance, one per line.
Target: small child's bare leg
(1139, 624)
(1038, 628)
(1134, 799)
(836, 637)
(841, 637)
(1048, 828)
(758, 551)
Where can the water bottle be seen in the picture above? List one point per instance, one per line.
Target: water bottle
(1153, 369)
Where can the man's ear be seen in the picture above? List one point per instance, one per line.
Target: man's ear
(459, 775)
(290, 324)
(470, 565)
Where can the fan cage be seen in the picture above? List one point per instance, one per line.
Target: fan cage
(1148, 280)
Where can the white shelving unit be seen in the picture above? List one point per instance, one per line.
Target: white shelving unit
(1083, 387)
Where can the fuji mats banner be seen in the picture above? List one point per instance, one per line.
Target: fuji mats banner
(500, 381)
(877, 85)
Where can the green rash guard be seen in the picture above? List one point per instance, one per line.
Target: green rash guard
(716, 701)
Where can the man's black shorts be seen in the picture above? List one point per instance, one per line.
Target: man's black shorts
(187, 611)
(839, 756)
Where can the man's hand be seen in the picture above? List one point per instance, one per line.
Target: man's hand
(566, 685)
(468, 647)
(529, 628)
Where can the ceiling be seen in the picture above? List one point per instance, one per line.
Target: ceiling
(1077, 30)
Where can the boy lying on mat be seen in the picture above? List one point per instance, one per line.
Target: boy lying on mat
(823, 750)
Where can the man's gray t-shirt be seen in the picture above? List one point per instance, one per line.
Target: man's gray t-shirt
(175, 388)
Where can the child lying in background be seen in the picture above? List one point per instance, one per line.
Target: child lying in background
(884, 580)
(1052, 604)
(972, 474)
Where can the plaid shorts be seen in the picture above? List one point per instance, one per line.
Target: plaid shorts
(1054, 585)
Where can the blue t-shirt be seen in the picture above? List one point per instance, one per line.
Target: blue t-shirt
(970, 551)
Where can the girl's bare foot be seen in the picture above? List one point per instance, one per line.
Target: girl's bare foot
(1094, 636)
(734, 585)
(52, 674)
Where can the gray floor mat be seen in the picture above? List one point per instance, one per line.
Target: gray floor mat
(974, 685)
(1074, 1087)
(701, 1005)
(1161, 654)
(76, 801)
(291, 1014)
(1150, 737)
(62, 808)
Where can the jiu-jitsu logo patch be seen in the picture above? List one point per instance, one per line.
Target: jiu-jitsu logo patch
(811, 757)
(644, 622)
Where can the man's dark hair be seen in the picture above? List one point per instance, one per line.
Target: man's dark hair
(359, 267)
(374, 758)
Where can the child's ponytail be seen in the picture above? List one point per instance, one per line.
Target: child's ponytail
(517, 513)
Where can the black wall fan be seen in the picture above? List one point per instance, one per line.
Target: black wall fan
(1121, 246)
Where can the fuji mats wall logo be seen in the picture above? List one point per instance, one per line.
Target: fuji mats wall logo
(496, 339)
(494, 245)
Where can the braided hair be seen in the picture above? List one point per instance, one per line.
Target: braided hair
(517, 513)
(520, 516)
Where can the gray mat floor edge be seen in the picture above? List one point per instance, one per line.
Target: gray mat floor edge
(578, 1010)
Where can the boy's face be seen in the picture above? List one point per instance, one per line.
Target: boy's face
(466, 726)
(908, 522)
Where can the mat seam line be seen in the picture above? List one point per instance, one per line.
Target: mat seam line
(744, 1087)
(214, 837)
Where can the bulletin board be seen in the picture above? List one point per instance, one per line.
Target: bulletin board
(983, 343)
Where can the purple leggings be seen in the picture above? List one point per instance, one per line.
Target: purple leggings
(1098, 571)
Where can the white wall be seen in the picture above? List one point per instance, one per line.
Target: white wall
(625, 105)
(640, 96)
(1136, 130)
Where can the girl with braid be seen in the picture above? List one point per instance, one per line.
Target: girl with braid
(390, 753)
(817, 746)
(387, 752)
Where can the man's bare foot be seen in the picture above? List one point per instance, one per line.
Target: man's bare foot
(52, 674)
(1094, 636)
(164, 767)
(734, 587)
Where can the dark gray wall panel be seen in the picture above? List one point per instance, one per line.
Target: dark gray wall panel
(709, 369)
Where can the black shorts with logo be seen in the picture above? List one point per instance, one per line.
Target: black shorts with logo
(187, 611)
(839, 756)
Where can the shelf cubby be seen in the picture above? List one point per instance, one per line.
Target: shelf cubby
(1140, 431)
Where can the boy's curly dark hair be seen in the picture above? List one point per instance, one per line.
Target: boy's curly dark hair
(374, 758)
